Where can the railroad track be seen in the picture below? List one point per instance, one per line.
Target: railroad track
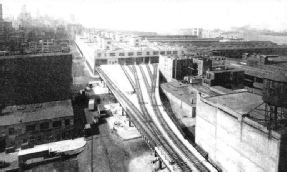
(195, 161)
(145, 124)
(171, 152)
(134, 113)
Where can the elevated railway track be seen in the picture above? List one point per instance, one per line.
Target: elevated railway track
(157, 128)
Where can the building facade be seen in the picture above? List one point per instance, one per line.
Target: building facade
(175, 67)
(30, 79)
(232, 79)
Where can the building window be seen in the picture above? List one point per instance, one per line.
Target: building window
(11, 131)
(58, 137)
(31, 138)
(44, 126)
(137, 40)
(147, 53)
(162, 53)
(39, 138)
(139, 53)
(57, 124)
(50, 137)
(130, 54)
(99, 54)
(168, 52)
(67, 122)
(112, 54)
(30, 128)
(121, 54)
(109, 42)
(155, 53)
(25, 140)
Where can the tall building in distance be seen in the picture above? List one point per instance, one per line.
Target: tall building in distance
(5, 30)
(1, 13)
(191, 31)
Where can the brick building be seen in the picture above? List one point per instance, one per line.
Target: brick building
(30, 79)
(175, 67)
(27, 125)
(232, 79)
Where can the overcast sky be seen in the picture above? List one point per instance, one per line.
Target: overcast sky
(161, 14)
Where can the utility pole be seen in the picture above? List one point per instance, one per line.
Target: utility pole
(92, 153)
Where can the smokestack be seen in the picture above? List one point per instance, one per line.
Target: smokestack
(1, 16)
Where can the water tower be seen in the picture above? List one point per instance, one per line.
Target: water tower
(274, 96)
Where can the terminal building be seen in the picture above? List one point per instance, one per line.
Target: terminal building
(108, 49)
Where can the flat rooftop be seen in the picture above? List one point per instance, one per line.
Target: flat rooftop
(34, 55)
(126, 46)
(245, 103)
(180, 91)
(35, 112)
(222, 90)
(205, 90)
(241, 103)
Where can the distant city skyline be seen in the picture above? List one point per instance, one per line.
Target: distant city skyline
(160, 15)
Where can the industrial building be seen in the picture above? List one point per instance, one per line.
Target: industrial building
(244, 131)
(180, 97)
(230, 78)
(201, 65)
(236, 52)
(256, 66)
(190, 31)
(24, 126)
(182, 40)
(175, 67)
(37, 78)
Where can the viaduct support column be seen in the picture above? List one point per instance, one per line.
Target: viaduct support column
(123, 112)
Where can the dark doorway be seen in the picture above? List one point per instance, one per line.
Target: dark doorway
(2, 144)
(195, 69)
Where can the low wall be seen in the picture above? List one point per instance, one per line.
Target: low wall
(180, 108)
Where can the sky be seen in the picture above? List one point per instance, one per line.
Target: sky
(161, 15)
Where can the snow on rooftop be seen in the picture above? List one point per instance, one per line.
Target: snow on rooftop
(117, 75)
(61, 146)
